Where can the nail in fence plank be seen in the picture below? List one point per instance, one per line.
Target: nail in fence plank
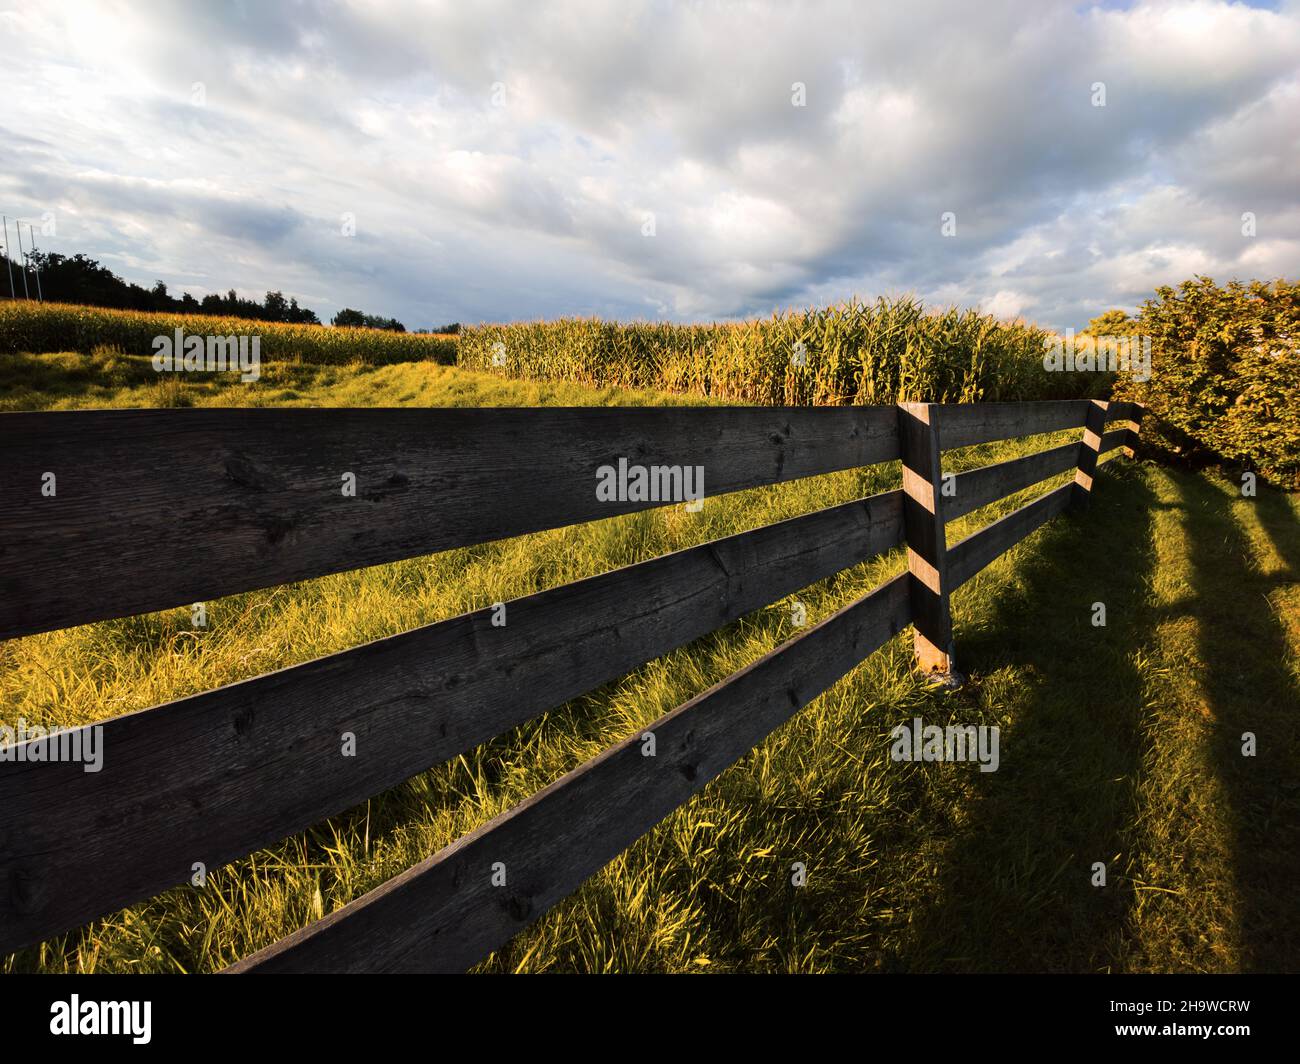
(927, 556)
(213, 777)
(161, 508)
(445, 914)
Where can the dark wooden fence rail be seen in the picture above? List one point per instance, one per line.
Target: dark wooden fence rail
(159, 508)
(156, 509)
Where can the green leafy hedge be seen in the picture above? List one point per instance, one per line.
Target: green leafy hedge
(1225, 374)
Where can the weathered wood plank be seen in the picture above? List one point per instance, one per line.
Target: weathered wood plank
(1115, 438)
(444, 914)
(215, 776)
(988, 484)
(927, 555)
(973, 553)
(964, 425)
(160, 508)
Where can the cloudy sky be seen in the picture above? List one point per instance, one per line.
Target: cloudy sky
(505, 161)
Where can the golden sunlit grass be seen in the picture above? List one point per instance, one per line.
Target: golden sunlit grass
(108, 378)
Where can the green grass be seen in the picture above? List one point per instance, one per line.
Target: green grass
(108, 378)
(1119, 744)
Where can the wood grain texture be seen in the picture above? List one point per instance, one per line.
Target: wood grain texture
(444, 914)
(973, 553)
(213, 777)
(966, 424)
(161, 508)
(980, 487)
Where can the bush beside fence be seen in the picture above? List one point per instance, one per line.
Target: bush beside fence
(1225, 373)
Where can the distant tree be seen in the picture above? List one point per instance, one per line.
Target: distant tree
(355, 319)
(276, 307)
(347, 318)
(301, 315)
(80, 279)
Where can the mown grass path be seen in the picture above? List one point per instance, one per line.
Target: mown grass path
(1124, 743)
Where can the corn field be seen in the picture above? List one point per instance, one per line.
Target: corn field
(893, 350)
(38, 328)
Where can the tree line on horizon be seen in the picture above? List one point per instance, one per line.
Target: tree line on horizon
(80, 279)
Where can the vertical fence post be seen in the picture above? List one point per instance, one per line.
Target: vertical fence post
(1130, 447)
(1094, 425)
(927, 553)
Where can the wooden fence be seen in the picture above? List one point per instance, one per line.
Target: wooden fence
(153, 509)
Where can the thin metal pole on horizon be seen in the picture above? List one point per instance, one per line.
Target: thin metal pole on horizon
(36, 266)
(9, 260)
(22, 259)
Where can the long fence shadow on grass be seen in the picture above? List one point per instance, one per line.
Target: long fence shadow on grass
(1282, 527)
(1015, 886)
(1248, 689)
